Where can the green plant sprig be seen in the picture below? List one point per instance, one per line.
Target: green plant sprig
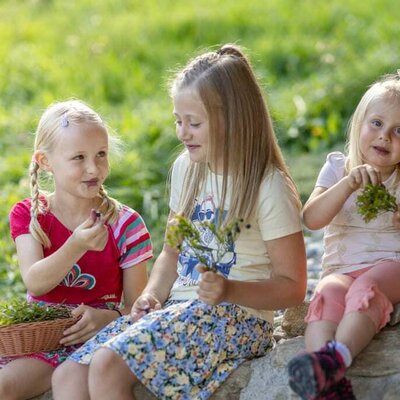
(184, 230)
(375, 199)
(18, 311)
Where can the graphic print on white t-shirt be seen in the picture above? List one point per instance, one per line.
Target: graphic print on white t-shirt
(205, 211)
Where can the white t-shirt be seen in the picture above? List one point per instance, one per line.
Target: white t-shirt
(247, 258)
(350, 243)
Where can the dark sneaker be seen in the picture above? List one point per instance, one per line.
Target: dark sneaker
(311, 374)
(340, 391)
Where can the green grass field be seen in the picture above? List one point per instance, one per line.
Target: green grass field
(314, 60)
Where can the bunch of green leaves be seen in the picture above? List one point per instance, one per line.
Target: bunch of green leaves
(17, 311)
(184, 230)
(375, 199)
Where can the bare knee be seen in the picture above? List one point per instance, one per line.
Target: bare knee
(108, 369)
(69, 375)
(61, 374)
(104, 361)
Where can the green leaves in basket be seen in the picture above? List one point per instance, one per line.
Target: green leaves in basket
(18, 311)
(375, 199)
(184, 229)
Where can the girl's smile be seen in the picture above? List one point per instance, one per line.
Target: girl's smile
(380, 136)
(192, 126)
(79, 162)
(381, 150)
(92, 183)
(192, 147)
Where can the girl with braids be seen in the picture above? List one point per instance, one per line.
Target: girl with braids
(192, 326)
(76, 245)
(361, 262)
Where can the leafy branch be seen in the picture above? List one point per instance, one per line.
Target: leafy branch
(184, 230)
(375, 199)
(18, 311)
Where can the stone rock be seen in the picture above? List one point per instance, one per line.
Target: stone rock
(293, 320)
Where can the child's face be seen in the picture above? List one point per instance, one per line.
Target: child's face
(380, 136)
(79, 160)
(192, 125)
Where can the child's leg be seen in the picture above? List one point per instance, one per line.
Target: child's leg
(24, 378)
(316, 371)
(318, 333)
(110, 377)
(70, 381)
(326, 310)
(369, 303)
(355, 330)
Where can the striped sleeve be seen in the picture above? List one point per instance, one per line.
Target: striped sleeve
(132, 238)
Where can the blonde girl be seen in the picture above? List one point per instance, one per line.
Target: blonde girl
(192, 326)
(361, 268)
(76, 245)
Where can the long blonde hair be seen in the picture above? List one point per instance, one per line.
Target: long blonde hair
(387, 87)
(55, 118)
(227, 86)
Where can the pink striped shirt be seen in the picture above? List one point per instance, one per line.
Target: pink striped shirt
(97, 276)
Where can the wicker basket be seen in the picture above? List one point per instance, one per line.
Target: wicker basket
(32, 337)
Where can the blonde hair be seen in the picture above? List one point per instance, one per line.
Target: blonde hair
(387, 87)
(227, 86)
(57, 117)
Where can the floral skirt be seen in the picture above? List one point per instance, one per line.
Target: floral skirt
(187, 349)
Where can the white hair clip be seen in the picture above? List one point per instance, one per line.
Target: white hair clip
(64, 120)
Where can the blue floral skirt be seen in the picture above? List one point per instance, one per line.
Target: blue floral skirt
(187, 349)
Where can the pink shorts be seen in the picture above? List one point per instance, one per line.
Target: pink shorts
(372, 291)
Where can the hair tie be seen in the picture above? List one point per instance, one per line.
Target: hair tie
(64, 120)
(33, 159)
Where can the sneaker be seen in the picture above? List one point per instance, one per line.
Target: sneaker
(340, 391)
(310, 374)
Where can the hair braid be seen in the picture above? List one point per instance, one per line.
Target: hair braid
(109, 207)
(36, 207)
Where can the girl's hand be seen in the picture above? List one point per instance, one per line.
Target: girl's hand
(213, 287)
(396, 219)
(362, 175)
(90, 322)
(143, 305)
(92, 234)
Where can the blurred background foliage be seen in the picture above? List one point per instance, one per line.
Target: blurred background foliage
(314, 59)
